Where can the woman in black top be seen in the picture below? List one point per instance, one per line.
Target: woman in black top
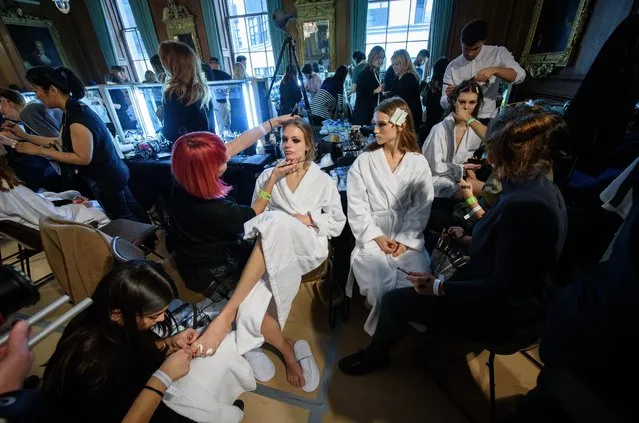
(407, 85)
(369, 88)
(187, 98)
(86, 143)
(206, 224)
(107, 355)
(514, 249)
(290, 93)
(432, 94)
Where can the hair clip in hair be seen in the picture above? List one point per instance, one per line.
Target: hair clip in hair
(477, 89)
(399, 117)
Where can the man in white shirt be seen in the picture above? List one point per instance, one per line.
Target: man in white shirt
(487, 64)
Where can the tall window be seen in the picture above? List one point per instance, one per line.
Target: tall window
(398, 24)
(126, 38)
(247, 22)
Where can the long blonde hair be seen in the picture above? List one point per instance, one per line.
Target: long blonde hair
(401, 58)
(239, 71)
(373, 55)
(185, 79)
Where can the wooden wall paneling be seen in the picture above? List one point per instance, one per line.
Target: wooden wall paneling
(195, 8)
(77, 37)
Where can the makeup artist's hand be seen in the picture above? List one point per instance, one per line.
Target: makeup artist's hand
(469, 167)
(401, 249)
(484, 74)
(457, 232)
(422, 282)
(26, 147)
(177, 365)
(378, 89)
(14, 129)
(15, 359)
(450, 90)
(386, 244)
(182, 339)
(280, 120)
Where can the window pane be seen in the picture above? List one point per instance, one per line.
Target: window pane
(254, 6)
(239, 35)
(414, 47)
(126, 14)
(259, 64)
(392, 48)
(134, 43)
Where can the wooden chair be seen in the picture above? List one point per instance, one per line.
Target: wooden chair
(324, 274)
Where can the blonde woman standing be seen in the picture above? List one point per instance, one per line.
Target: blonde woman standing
(407, 85)
(187, 99)
(369, 88)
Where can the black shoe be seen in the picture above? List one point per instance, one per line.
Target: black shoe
(362, 363)
(239, 404)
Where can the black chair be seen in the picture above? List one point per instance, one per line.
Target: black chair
(29, 245)
(524, 341)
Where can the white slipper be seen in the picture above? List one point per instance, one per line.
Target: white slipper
(263, 367)
(308, 364)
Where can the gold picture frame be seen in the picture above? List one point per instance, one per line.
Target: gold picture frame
(315, 13)
(36, 40)
(180, 26)
(551, 43)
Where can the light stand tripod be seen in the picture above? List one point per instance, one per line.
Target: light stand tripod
(289, 47)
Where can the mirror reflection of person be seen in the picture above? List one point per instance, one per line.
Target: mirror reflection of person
(38, 55)
(488, 65)
(86, 144)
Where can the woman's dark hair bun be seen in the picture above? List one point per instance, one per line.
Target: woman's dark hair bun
(62, 78)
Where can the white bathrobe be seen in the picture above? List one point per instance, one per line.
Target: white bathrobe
(397, 205)
(24, 206)
(291, 249)
(207, 392)
(446, 163)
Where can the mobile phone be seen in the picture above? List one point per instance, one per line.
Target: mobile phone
(402, 270)
(296, 110)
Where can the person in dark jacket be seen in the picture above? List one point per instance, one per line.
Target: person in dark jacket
(369, 88)
(513, 248)
(290, 93)
(407, 85)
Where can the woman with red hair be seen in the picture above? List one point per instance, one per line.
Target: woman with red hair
(206, 224)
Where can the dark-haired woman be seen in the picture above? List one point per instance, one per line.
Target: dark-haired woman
(454, 140)
(290, 93)
(330, 98)
(514, 249)
(108, 355)
(86, 143)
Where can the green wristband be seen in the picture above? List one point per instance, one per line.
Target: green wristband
(471, 120)
(470, 201)
(265, 195)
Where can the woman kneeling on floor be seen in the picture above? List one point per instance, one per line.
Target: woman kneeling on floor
(110, 366)
(514, 248)
(303, 212)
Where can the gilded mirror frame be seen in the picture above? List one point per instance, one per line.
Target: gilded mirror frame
(310, 11)
(539, 65)
(178, 21)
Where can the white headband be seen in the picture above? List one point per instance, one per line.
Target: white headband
(399, 117)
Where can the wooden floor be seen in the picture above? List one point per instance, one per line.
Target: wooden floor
(405, 392)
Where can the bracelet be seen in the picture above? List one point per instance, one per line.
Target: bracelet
(265, 195)
(157, 391)
(262, 129)
(270, 124)
(472, 212)
(470, 201)
(471, 120)
(162, 377)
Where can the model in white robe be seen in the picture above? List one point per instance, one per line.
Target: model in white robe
(24, 206)
(395, 204)
(291, 249)
(446, 162)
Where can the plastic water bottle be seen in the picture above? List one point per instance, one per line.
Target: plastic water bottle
(259, 148)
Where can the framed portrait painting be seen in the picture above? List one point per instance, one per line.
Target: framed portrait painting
(36, 40)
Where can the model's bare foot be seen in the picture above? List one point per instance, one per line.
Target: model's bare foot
(294, 372)
(209, 342)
